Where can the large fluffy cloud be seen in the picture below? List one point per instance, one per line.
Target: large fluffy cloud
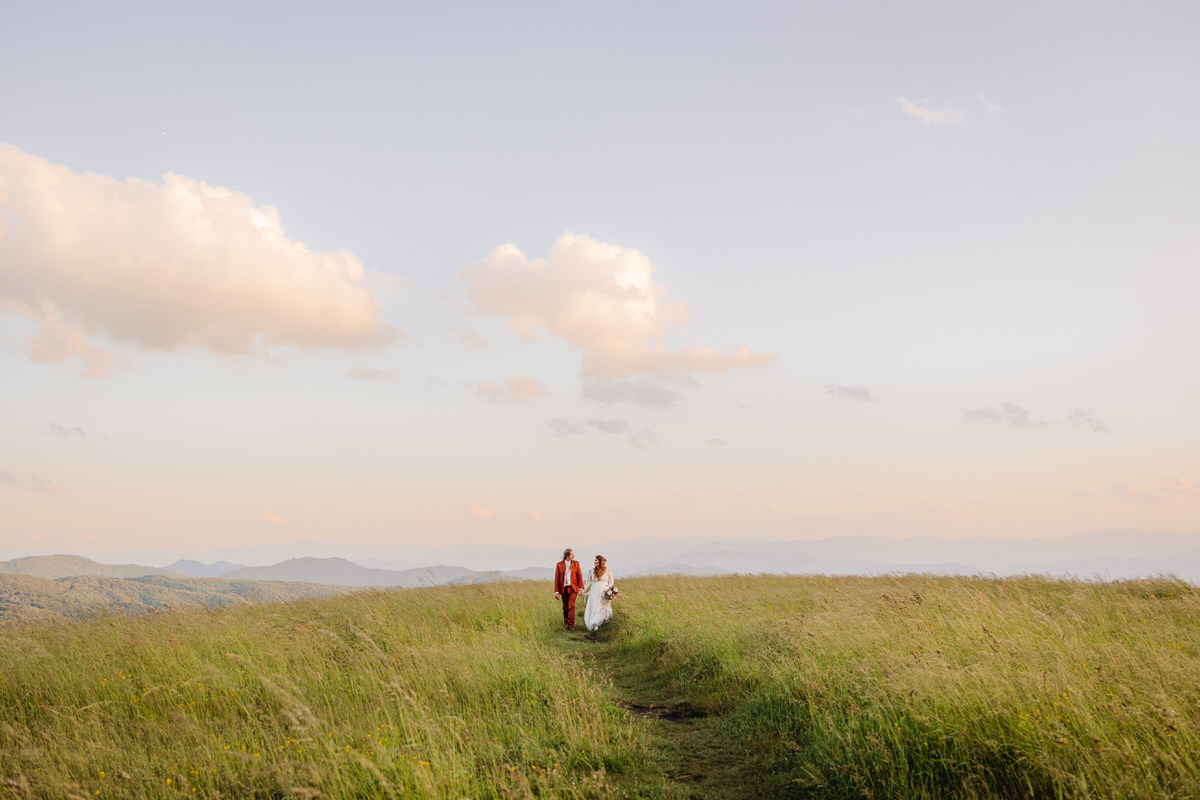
(166, 266)
(603, 300)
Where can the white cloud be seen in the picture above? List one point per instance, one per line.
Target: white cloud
(991, 108)
(716, 444)
(164, 267)
(943, 115)
(479, 511)
(271, 518)
(466, 335)
(370, 374)
(1182, 485)
(603, 300)
(511, 390)
(1136, 494)
(55, 341)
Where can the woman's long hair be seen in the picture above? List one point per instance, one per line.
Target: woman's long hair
(599, 568)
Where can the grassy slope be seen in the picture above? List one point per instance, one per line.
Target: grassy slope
(446, 692)
(800, 687)
(26, 598)
(937, 687)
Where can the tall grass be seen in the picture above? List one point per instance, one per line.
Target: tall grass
(932, 687)
(448, 692)
(913, 687)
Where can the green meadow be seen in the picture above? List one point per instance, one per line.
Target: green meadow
(818, 687)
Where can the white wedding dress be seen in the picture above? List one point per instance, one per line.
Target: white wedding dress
(599, 607)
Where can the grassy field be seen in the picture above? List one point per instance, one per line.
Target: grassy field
(793, 687)
(937, 687)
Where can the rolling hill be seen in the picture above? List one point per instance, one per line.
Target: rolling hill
(25, 598)
(347, 573)
(197, 569)
(66, 566)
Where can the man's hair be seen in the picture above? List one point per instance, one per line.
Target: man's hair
(567, 552)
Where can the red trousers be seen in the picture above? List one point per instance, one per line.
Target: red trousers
(568, 600)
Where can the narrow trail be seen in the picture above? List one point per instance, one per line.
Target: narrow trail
(694, 753)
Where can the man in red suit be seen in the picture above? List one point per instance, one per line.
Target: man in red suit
(568, 583)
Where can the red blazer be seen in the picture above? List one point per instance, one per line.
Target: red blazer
(576, 576)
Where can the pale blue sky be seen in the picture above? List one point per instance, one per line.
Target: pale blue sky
(1043, 253)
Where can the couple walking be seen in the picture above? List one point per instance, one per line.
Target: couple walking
(600, 587)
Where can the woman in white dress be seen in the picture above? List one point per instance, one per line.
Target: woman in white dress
(601, 588)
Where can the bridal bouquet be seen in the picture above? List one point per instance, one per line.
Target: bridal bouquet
(609, 594)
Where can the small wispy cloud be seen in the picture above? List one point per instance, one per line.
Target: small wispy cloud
(991, 108)
(1007, 414)
(642, 392)
(33, 482)
(716, 444)
(1182, 485)
(638, 438)
(53, 429)
(564, 427)
(609, 425)
(517, 389)
(271, 518)
(1084, 418)
(432, 383)
(942, 115)
(861, 393)
(370, 374)
(43, 484)
(1136, 494)
(535, 515)
(465, 335)
(479, 511)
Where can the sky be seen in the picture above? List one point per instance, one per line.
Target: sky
(526, 274)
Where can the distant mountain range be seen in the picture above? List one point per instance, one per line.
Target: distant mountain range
(64, 566)
(45, 587)
(198, 569)
(26, 598)
(1112, 554)
(347, 573)
(49, 587)
(342, 572)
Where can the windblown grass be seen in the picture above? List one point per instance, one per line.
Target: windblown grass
(928, 687)
(914, 687)
(447, 692)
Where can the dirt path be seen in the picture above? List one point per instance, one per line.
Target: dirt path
(695, 752)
